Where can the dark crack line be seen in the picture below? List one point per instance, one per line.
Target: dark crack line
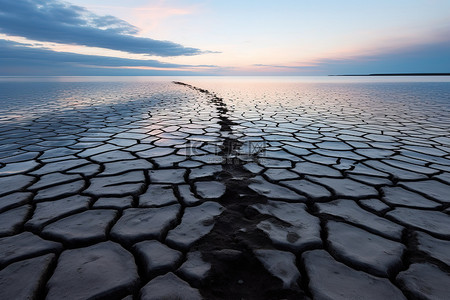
(241, 276)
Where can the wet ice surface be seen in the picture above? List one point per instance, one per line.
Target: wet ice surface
(223, 190)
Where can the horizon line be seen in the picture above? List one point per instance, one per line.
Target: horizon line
(396, 74)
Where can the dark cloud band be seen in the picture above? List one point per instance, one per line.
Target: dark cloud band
(54, 21)
(15, 57)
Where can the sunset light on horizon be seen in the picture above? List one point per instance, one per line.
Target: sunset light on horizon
(145, 37)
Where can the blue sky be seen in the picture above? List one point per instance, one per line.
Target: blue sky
(157, 37)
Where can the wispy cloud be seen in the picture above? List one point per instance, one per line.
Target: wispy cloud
(59, 22)
(16, 57)
(293, 67)
(432, 58)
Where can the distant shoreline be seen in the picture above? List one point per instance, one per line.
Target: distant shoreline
(397, 74)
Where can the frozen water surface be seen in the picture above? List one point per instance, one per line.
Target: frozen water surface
(281, 187)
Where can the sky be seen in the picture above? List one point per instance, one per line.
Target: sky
(215, 37)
